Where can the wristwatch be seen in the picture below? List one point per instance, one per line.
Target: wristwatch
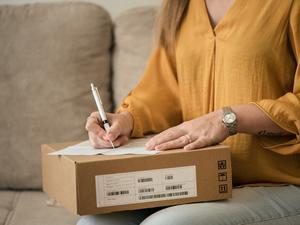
(230, 121)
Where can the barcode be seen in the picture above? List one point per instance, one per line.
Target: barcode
(165, 195)
(117, 193)
(169, 177)
(142, 180)
(143, 190)
(173, 187)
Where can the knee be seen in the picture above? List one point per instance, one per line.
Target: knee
(167, 216)
(192, 214)
(99, 220)
(89, 220)
(133, 217)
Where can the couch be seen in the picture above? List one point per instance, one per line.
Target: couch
(49, 55)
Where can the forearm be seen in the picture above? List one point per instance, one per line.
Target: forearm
(252, 120)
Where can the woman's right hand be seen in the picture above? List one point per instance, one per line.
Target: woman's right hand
(121, 125)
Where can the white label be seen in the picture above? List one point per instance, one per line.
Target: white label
(146, 186)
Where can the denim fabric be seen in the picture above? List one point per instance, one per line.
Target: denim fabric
(249, 205)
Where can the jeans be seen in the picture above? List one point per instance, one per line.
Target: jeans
(249, 205)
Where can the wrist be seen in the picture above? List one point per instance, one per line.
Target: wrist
(218, 116)
(128, 118)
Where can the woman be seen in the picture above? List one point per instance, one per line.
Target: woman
(220, 68)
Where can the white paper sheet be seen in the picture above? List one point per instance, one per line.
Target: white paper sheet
(134, 146)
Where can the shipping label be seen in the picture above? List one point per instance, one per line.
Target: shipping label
(146, 186)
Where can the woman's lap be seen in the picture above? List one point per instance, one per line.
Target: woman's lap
(133, 217)
(249, 205)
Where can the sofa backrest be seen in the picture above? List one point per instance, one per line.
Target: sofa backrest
(133, 44)
(49, 54)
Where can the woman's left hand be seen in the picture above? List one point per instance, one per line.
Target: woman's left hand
(197, 133)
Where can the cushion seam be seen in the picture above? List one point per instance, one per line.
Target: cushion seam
(13, 206)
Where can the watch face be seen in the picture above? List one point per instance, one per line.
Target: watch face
(229, 118)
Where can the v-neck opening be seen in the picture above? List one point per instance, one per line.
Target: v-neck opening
(228, 12)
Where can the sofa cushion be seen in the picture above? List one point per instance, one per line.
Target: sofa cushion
(7, 199)
(30, 208)
(49, 55)
(133, 43)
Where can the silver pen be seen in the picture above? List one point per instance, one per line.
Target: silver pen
(101, 109)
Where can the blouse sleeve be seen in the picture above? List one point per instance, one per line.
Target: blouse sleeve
(154, 103)
(285, 111)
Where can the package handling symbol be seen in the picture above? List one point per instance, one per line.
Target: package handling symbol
(222, 176)
(223, 188)
(222, 165)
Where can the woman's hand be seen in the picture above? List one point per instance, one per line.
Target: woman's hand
(121, 125)
(197, 133)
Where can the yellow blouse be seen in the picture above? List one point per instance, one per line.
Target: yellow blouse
(252, 55)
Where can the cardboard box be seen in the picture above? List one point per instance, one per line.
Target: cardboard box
(101, 184)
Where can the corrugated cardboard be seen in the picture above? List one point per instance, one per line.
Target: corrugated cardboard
(71, 180)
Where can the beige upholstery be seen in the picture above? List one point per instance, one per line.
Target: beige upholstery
(30, 208)
(6, 204)
(49, 55)
(133, 44)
